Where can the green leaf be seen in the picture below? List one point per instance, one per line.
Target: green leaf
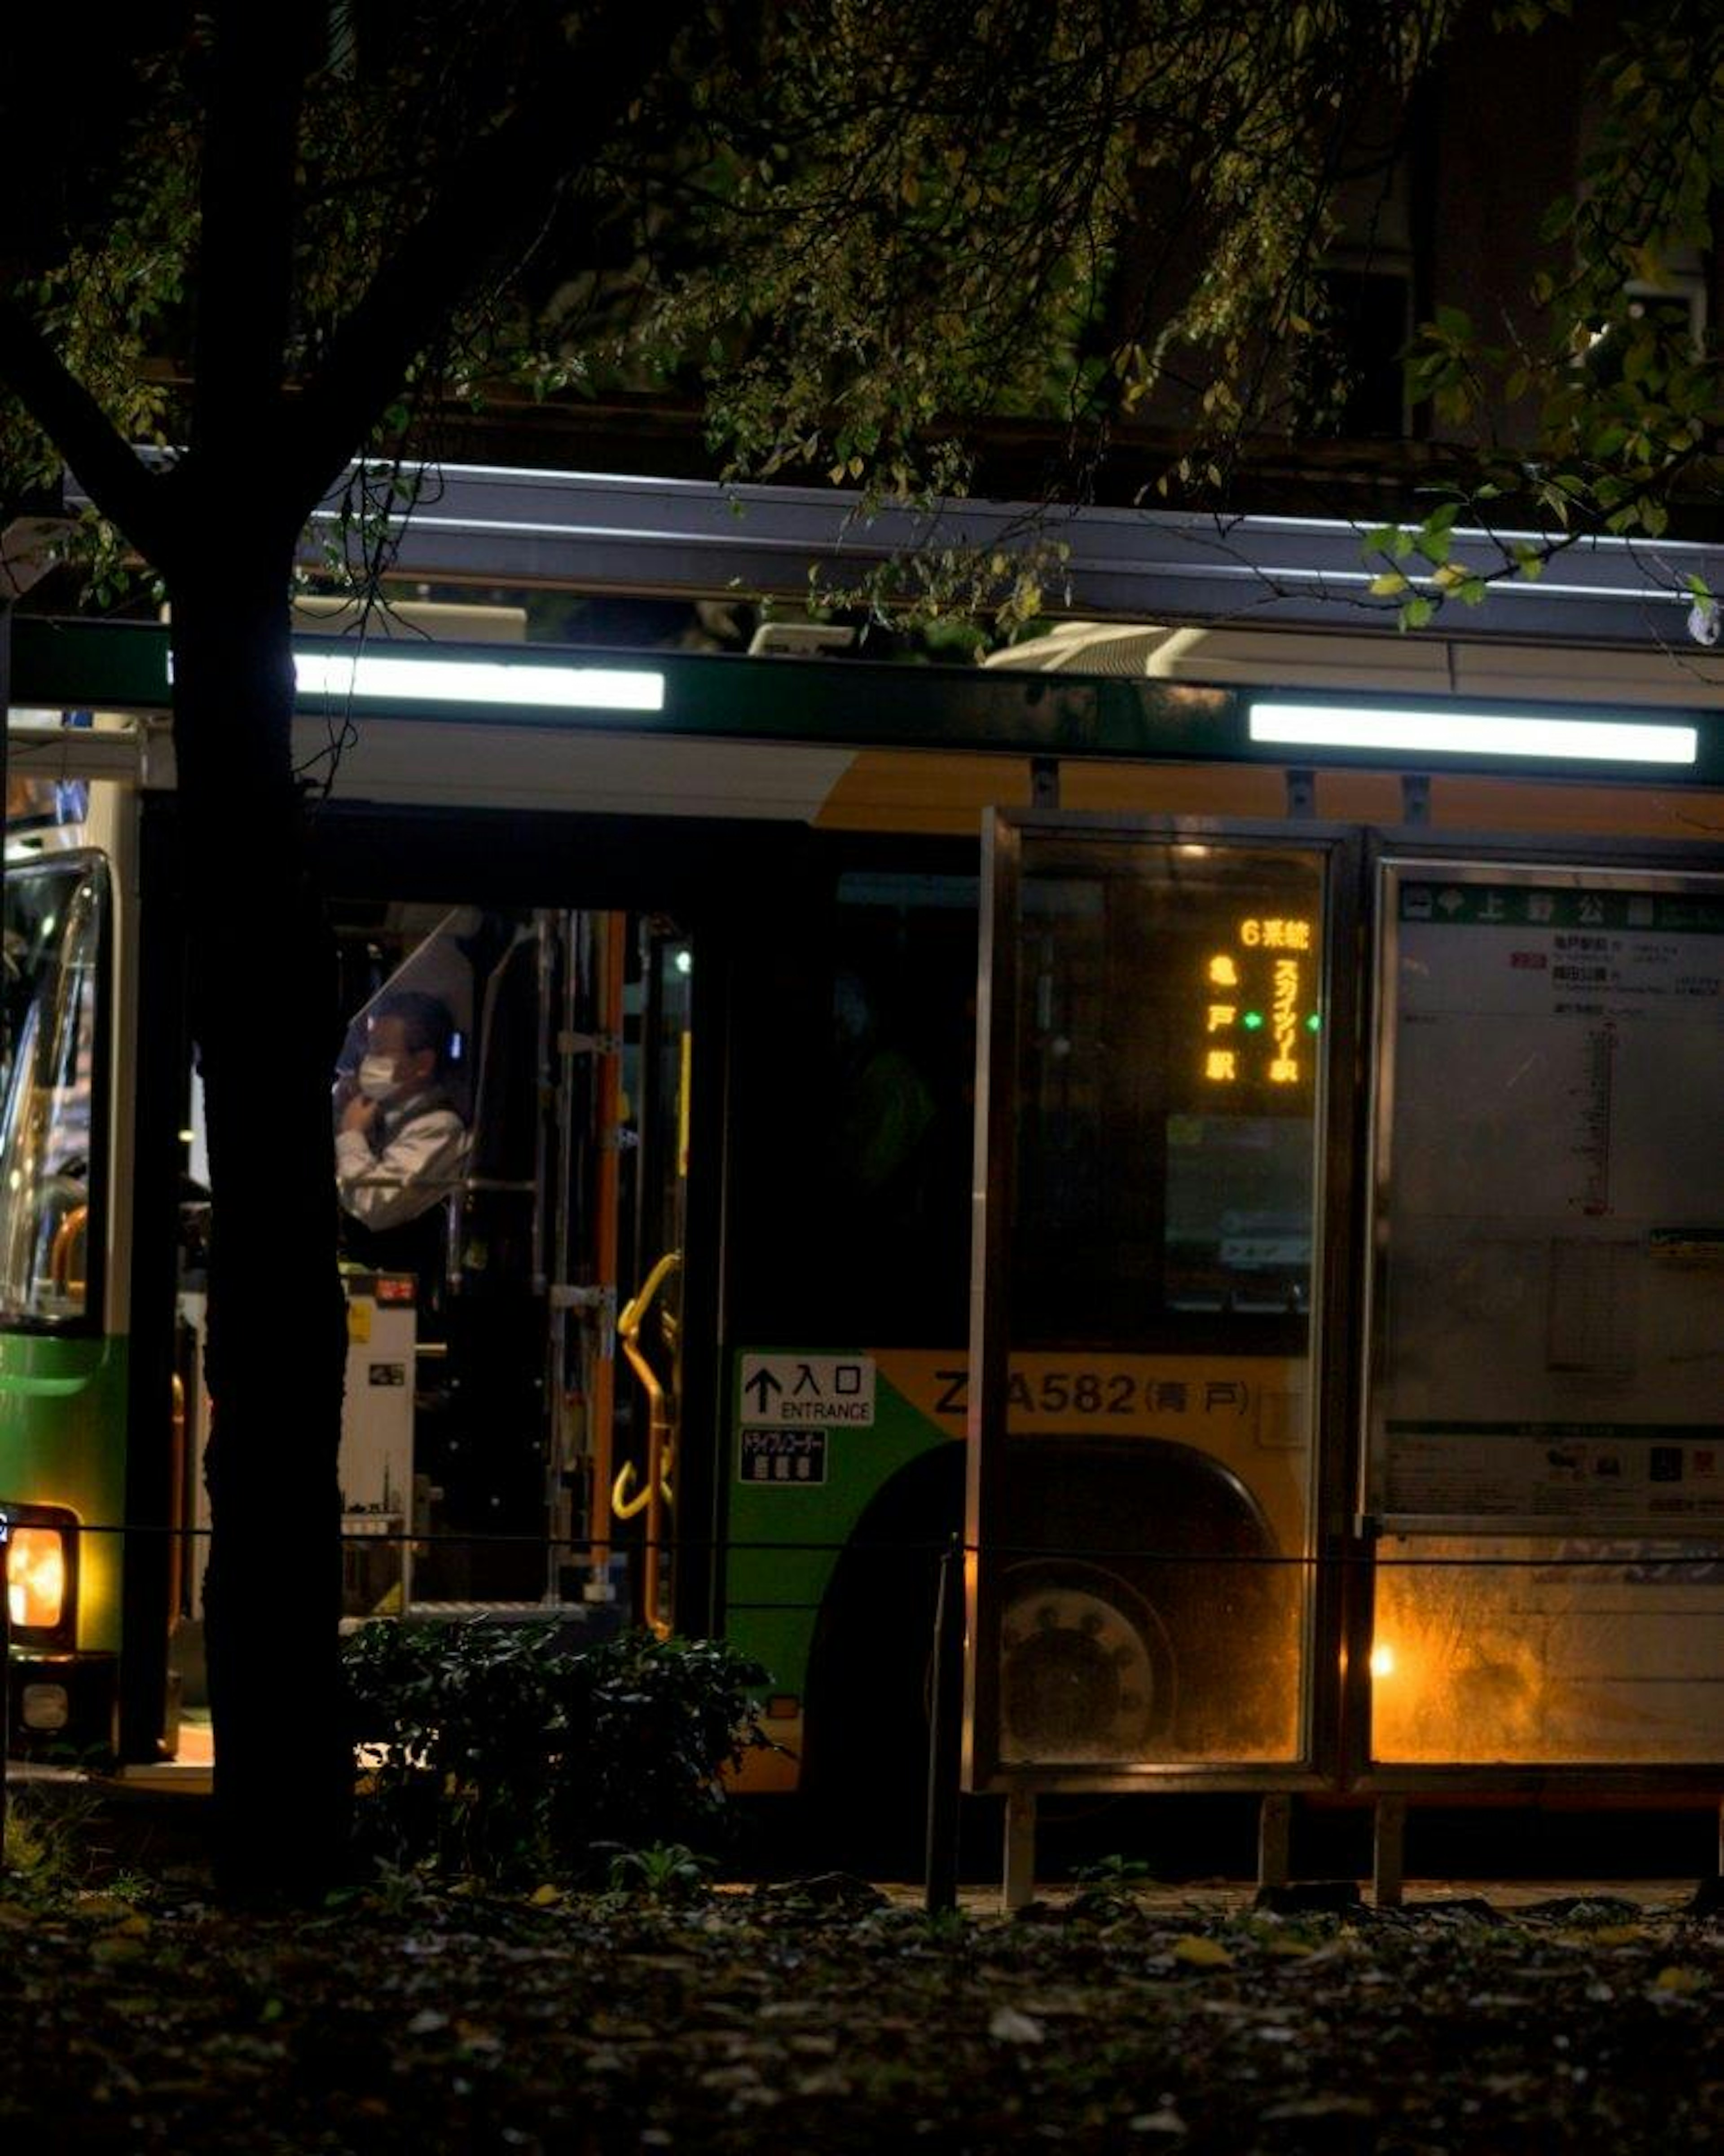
(1387, 584)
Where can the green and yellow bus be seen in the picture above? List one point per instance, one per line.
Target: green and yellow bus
(1076, 1116)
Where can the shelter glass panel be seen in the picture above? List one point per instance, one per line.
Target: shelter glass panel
(1508, 1651)
(1544, 1424)
(1144, 1486)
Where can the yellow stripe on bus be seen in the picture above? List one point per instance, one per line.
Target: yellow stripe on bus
(1246, 1412)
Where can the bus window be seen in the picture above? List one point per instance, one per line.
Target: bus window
(53, 922)
(898, 1100)
(851, 1128)
(1238, 1234)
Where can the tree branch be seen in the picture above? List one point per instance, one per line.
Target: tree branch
(124, 489)
(492, 203)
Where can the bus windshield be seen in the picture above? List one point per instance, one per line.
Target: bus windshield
(54, 916)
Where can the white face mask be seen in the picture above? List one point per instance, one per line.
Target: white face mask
(376, 1077)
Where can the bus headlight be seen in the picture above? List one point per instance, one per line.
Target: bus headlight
(38, 1576)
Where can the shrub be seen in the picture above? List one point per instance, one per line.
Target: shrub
(666, 1873)
(502, 1749)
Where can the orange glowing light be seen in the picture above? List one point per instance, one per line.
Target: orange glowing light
(36, 1577)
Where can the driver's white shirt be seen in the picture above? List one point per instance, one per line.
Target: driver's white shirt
(420, 1157)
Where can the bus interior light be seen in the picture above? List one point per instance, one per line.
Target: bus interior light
(35, 1577)
(1441, 733)
(478, 681)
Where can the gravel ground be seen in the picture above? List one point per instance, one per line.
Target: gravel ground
(826, 2015)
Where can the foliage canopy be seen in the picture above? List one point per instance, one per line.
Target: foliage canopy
(851, 236)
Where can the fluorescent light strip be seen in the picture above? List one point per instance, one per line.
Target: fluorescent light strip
(478, 681)
(1473, 734)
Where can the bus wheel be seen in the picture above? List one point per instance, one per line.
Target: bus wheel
(1087, 1671)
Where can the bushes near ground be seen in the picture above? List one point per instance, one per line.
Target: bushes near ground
(503, 1751)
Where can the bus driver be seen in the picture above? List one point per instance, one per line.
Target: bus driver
(400, 1144)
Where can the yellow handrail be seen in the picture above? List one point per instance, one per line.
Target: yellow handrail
(72, 1225)
(657, 1498)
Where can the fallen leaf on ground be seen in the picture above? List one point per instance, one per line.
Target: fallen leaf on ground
(1006, 2025)
(1199, 1953)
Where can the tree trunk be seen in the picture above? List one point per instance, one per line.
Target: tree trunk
(264, 1022)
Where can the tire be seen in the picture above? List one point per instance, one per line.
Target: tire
(1188, 1655)
(1087, 1668)
(1175, 1544)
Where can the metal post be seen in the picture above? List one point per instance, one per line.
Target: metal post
(944, 1732)
(1019, 1887)
(1275, 1840)
(1388, 1852)
(602, 1356)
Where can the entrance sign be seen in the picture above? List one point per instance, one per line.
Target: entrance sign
(1550, 1200)
(798, 1392)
